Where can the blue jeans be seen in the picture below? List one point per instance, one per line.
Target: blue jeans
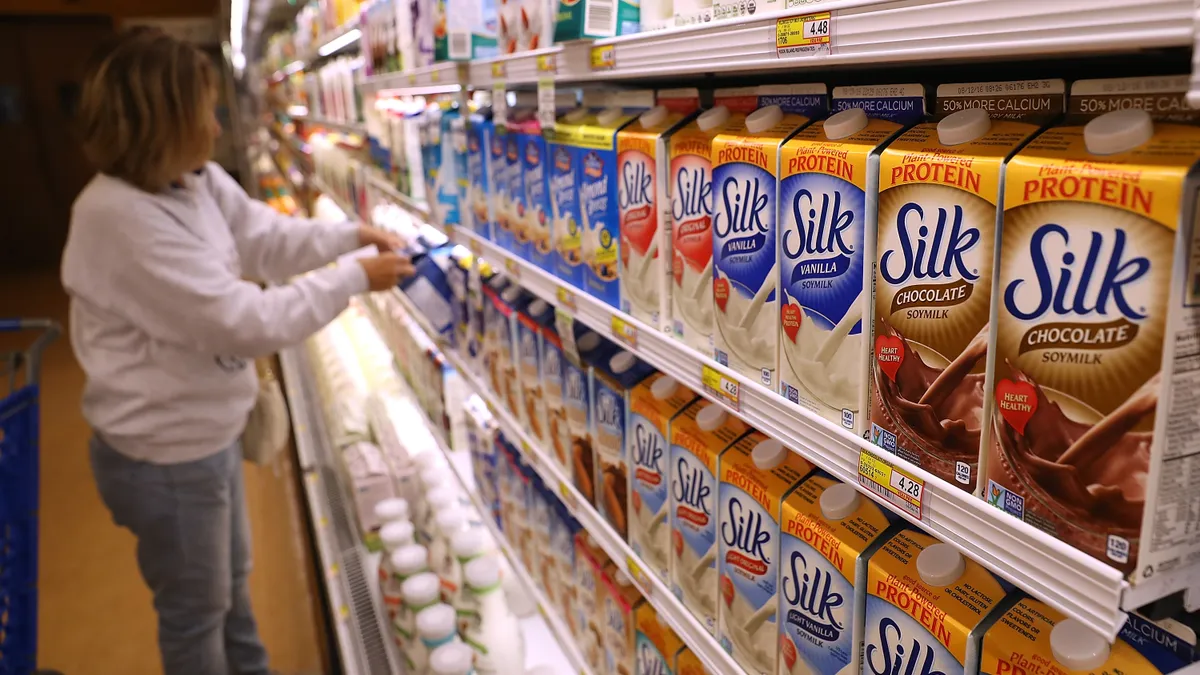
(193, 549)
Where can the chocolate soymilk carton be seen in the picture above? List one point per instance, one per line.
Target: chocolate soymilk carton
(1032, 638)
(557, 431)
(745, 255)
(1097, 323)
(698, 436)
(940, 199)
(756, 473)
(642, 198)
(652, 405)
(926, 607)
(828, 190)
(612, 381)
(827, 531)
(657, 647)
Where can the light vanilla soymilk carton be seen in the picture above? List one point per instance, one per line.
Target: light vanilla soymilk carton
(1097, 323)
(828, 191)
(940, 197)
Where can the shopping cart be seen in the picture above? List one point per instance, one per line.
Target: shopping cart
(19, 496)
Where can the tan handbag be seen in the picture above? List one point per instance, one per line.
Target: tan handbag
(266, 433)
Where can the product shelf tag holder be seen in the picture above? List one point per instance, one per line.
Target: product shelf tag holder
(603, 57)
(898, 487)
(499, 71)
(499, 103)
(804, 36)
(565, 325)
(568, 497)
(625, 332)
(513, 268)
(639, 576)
(725, 388)
(566, 299)
(547, 111)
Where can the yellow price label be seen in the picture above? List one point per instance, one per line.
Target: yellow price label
(566, 299)
(344, 612)
(724, 387)
(498, 69)
(323, 523)
(513, 267)
(634, 567)
(547, 64)
(625, 332)
(807, 35)
(568, 496)
(412, 79)
(435, 76)
(604, 57)
(897, 486)
(333, 570)
(475, 246)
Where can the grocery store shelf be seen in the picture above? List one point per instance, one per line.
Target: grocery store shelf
(293, 145)
(348, 127)
(335, 41)
(440, 78)
(377, 182)
(324, 189)
(363, 639)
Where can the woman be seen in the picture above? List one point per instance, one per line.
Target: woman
(166, 330)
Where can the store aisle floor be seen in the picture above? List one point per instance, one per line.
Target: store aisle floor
(95, 612)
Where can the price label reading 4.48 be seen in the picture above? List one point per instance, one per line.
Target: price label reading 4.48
(722, 386)
(803, 36)
(900, 488)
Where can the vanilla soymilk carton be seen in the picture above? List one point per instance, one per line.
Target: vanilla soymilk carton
(829, 178)
(1098, 307)
(1033, 638)
(698, 436)
(827, 531)
(745, 255)
(926, 607)
(657, 647)
(756, 473)
(645, 250)
(940, 198)
(652, 405)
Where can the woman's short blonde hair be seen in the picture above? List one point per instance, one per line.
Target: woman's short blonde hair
(145, 108)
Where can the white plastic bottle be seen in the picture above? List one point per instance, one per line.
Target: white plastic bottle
(497, 638)
(395, 535)
(447, 523)
(436, 501)
(452, 659)
(420, 591)
(465, 546)
(437, 625)
(390, 510)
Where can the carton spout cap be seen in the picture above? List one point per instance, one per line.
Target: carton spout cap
(710, 417)
(608, 116)
(839, 501)
(621, 362)
(576, 115)
(845, 123)
(587, 342)
(963, 126)
(664, 387)
(712, 118)
(764, 118)
(940, 565)
(1118, 131)
(653, 117)
(1077, 647)
(768, 454)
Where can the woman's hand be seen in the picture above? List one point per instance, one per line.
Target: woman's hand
(386, 270)
(381, 239)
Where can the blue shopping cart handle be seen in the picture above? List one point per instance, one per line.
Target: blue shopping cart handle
(7, 325)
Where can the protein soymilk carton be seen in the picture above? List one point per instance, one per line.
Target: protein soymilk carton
(612, 381)
(828, 191)
(657, 646)
(745, 255)
(827, 531)
(756, 473)
(1032, 638)
(1097, 321)
(926, 607)
(940, 199)
(645, 249)
(698, 436)
(652, 405)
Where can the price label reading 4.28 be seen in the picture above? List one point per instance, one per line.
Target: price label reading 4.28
(898, 487)
(722, 386)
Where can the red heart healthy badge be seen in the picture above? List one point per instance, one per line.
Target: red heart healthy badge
(1016, 401)
(889, 354)
(721, 293)
(791, 320)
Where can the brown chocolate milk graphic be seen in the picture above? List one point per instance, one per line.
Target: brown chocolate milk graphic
(1097, 354)
(939, 196)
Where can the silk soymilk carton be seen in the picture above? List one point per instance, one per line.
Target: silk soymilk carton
(480, 202)
(1033, 638)
(652, 405)
(657, 647)
(698, 436)
(589, 574)
(612, 381)
(756, 473)
(622, 602)
(940, 199)
(926, 607)
(538, 314)
(645, 248)
(827, 531)
(1098, 305)
(558, 433)
(577, 397)
(745, 255)
(828, 187)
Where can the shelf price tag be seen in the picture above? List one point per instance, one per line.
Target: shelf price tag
(625, 332)
(435, 76)
(727, 389)
(547, 108)
(565, 325)
(568, 497)
(566, 299)
(412, 79)
(804, 36)
(639, 576)
(900, 488)
(499, 71)
(547, 64)
(475, 246)
(499, 103)
(604, 57)
(513, 269)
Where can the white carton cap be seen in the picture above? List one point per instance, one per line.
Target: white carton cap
(588, 341)
(712, 118)
(764, 118)
(1118, 131)
(482, 573)
(608, 116)
(408, 560)
(664, 387)
(940, 565)
(768, 454)
(963, 126)
(711, 416)
(437, 622)
(468, 543)
(388, 510)
(621, 362)
(1077, 647)
(435, 476)
(396, 534)
(839, 501)
(845, 123)
(653, 117)
(454, 658)
(421, 590)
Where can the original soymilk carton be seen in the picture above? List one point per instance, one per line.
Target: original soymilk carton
(1033, 638)
(652, 405)
(1097, 305)
(756, 473)
(829, 177)
(657, 646)
(698, 436)
(827, 531)
(612, 381)
(745, 255)
(940, 198)
(645, 249)
(926, 607)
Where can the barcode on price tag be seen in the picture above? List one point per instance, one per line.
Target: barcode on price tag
(547, 104)
(803, 36)
(898, 487)
(625, 332)
(727, 389)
